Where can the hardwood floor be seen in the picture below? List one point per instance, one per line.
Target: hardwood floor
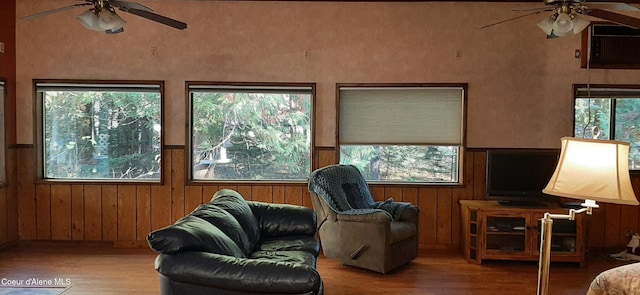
(100, 270)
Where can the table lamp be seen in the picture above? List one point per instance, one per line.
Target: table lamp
(590, 170)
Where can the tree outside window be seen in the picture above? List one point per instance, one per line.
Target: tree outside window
(100, 132)
(609, 112)
(404, 163)
(250, 132)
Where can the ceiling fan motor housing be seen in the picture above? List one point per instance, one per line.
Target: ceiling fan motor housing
(562, 2)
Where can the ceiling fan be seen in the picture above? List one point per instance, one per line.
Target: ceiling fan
(569, 16)
(102, 15)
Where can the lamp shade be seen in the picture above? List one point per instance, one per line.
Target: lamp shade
(579, 23)
(546, 25)
(563, 25)
(89, 20)
(593, 169)
(102, 21)
(110, 21)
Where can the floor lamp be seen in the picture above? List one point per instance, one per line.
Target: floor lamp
(590, 170)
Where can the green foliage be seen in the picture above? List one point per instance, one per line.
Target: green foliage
(590, 114)
(601, 112)
(403, 163)
(97, 135)
(265, 135)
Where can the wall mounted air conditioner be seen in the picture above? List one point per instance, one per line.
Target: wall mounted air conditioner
(613, 47)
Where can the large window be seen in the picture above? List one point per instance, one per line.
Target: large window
(250, 132)
(107, 131)
(3, 143)
(408, 133)
(609, 112)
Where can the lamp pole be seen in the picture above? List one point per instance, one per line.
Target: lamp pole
(546, 228)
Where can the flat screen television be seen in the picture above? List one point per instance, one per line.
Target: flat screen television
(517, 176)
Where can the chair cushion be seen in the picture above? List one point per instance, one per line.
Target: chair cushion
(301, 257)
(357, 195)
(344, 189)
(401, 231)
(308, 244)
(342, 186)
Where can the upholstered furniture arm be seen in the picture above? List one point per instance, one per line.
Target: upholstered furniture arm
(375, 217)
(410, 214)
(238, 274)
(277, 220)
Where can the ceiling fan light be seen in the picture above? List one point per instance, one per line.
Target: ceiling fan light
(563, 25)
(89, 20)
(110, 21)
(579, 23)
(546, 25)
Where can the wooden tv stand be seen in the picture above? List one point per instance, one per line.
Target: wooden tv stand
(491, 231)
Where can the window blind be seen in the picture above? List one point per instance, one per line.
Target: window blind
(107, 87)
(401, 115)
(250, 88)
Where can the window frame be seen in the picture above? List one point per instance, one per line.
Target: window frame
(39, 149)
(612, 116)
(227, 85)
(462, 147)
(3, 137)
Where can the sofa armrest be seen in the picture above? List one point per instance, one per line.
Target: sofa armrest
(238, 274)
(410, 214)
(374, 217)
(277, 220)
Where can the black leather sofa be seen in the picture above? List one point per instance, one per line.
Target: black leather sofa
(231, 246)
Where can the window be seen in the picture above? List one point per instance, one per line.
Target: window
(609, 112)
(250, 132)
(3, 143)
(408, 133)
(107, 131)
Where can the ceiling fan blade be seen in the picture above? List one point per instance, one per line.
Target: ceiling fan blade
(617, 18)
(513, 18)
(54, 10)
(533, 8)
(157, 18)
(129, 5)
(612, 6)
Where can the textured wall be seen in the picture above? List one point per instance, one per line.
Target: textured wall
(520, 83)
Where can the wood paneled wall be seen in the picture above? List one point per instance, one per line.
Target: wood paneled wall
(8, 197)
(9, 204)
(124, 214)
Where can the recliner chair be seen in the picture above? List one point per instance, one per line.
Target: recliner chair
(356, 230)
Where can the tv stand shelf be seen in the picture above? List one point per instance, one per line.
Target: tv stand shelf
(491, 231)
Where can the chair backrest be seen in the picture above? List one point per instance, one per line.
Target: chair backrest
(342, 186)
